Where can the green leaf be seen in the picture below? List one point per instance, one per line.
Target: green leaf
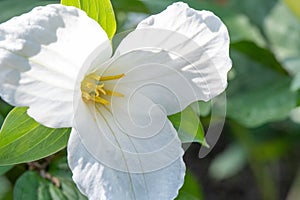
(56, 193)
(240, 28)
(278, 25)
(43, 190)
(4, 108)
(59, 168)
(70, 191)
(257, 94)
(27, 187)
(1, 120)
(23, 140)
(5, 189)
(283, 31)
(228, 163)
(99, 10)
(32, 186)
(204, 108)
(130, 6)
(259, 54)
(294, 5)
(256, 10)
(296, 82)
(4, 169)
(189, 127)
(191, 190)
(156, 6)
(201, 108)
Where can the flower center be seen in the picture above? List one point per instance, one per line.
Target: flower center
(93, 90)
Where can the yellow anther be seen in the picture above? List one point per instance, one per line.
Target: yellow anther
(92, 88)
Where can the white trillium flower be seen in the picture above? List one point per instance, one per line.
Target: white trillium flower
(58, 62)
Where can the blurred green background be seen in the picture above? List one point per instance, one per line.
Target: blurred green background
(257, 155)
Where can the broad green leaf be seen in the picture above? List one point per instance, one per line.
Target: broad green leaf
(27, 187)
(294, 5)
(204, 108)
(4, 169)
(56, 193)
(258, 95)
(283, 31)
(4, 108)
(69, 190)
(32, 186)
(201, 108)
(11, 8)
(295, 115)
(22, 139)
(59, 168)
(130, 6)
(256, 10)
(43, 190)
(188, 125)
(278, 24)
(191, 190)
(156, 6)
(228, 163)
(5, 189)
(259, 54)
(296, 82)
(280, 27)
(99, 10)
(1, 120)
(240, 28)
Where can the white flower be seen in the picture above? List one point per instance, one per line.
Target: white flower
(57, 61)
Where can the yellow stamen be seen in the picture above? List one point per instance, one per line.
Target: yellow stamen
(92, 88)
(93, 76)
(86, 96)
(100, 89)
(108, 78)
(112, 93)
(101, 100)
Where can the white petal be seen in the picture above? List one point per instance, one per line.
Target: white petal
(132, 135)
(198, 40)
(167, 79)
(98, 181)
(41, 53)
